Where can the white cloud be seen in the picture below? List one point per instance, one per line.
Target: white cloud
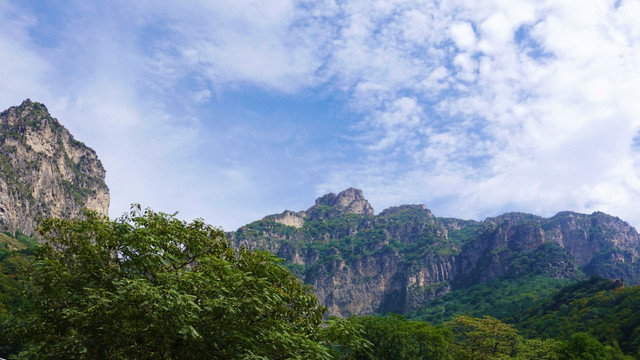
(22, 69)
(497, 31)
(542, 123)
(463, 35)
(466, 65)
(272, 44)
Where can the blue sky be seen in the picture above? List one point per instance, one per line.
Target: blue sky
(232, 110)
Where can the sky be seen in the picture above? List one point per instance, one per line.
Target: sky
(233, 110)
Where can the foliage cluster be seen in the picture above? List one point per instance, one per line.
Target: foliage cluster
(598, 306)
(16, 255)
(540, 307)
(467, 338)
(149, 286)
(505, 299)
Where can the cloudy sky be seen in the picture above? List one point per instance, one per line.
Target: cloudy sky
(232, 110)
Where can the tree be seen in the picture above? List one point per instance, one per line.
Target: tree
(485, 338)
(582, 346)
(149, 286)
(538, 349)
(394, 338)
(16, 255)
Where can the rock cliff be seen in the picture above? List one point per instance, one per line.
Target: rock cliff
(360, 263)
(329, 206)
(45, 172)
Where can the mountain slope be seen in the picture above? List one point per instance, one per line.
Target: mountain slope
(45, 172)
(360, 263)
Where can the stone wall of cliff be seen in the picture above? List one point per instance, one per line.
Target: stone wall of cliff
(361, 263)
(45, 172)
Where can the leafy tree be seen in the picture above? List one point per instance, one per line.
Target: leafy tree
(538, 349)
(582, 346)
(505, 299)
(16, 254)
(395, 338)
(149, 286)
(485, 338)
(599, 307)
(433, 342)
(390, 335)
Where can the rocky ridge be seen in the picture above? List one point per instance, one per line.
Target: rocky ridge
(360, 263)
(45, 172)
(328, 206)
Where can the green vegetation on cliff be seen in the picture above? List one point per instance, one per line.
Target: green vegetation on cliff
(602, 310)
(601, 307)
(405, 257)
(506, 299)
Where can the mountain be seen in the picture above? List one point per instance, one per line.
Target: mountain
(361, 263)
(45, 172)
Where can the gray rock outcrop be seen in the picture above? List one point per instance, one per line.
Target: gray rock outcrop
(45, 172)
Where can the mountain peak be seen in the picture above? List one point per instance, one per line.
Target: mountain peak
(350, 200)
(45, 171)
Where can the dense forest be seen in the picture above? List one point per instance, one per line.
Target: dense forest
(150, 286)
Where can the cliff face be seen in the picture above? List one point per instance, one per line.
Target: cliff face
(45, 172)
(360, 263)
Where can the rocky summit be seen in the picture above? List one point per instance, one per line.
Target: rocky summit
(45, 171)
(360, 263)
(329, 206)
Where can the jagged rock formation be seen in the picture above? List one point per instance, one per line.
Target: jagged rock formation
(45, 172)
(329, 206)
(360, 263)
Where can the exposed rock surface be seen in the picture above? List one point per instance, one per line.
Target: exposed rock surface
(360, 263)
(45, 172)
(290, 218)
(329, 206)
(348, 201)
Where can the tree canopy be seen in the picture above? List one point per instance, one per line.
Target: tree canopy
(150, 286)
